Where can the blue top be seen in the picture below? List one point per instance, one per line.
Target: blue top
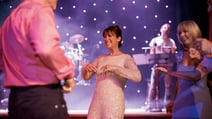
(193, 100)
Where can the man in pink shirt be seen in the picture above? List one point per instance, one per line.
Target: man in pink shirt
(33, 62)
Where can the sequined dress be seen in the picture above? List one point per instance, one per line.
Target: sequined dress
(108, 99)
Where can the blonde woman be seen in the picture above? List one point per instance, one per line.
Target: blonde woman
(193, 99)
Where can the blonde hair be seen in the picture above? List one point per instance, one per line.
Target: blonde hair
(191, 27)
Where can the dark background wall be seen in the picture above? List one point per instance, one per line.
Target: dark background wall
(196, 10)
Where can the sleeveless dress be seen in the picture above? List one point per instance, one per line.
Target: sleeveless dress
(108, 98)
(193, 100)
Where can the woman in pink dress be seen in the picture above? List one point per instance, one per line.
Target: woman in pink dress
(112, 70)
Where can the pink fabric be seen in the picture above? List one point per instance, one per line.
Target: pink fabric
(1, 63)
(210, 25)
(31, 49)
(108, 98)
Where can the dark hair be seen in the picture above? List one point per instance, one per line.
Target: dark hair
(116, 30)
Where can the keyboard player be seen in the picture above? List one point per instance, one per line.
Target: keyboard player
(160, 45)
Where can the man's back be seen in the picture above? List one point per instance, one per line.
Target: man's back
(30, 44)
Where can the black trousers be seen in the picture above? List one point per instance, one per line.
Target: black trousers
(37, 102)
